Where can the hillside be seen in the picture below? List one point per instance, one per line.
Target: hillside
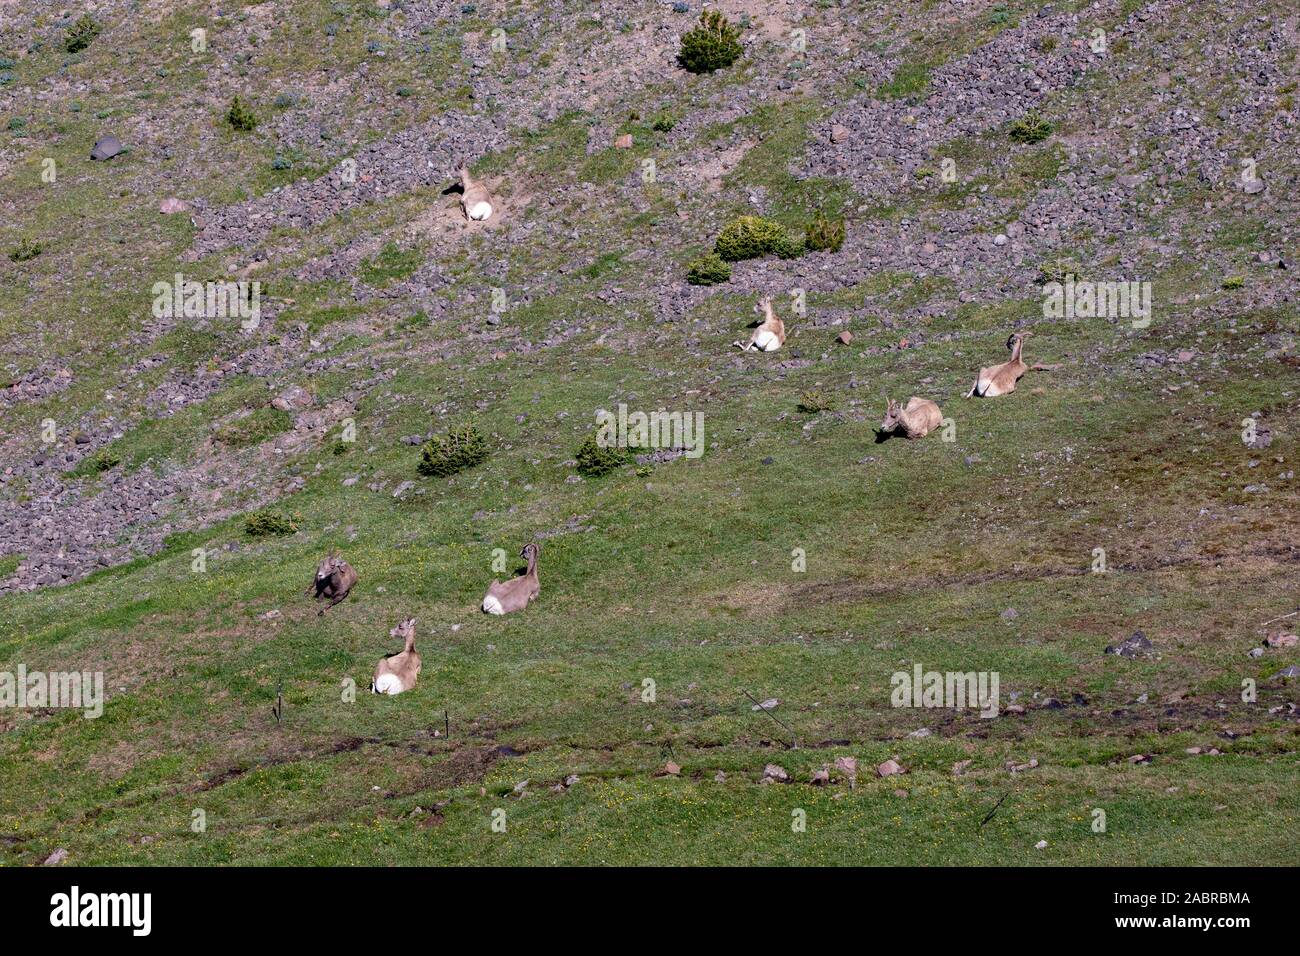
(976, 152)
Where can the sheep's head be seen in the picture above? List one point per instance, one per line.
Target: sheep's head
(405, 630)
(327, 566)
(531, 550)
(764, 307)
(893, 413)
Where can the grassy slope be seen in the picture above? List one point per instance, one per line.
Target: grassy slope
(685, 578)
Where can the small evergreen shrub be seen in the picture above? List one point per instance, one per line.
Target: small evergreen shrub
(813, 401)
(711, 46)
(260, 524)
(240, 116)
(26, 250)
(464, 446)
(749, 237)
(1233, 282)
(663, 123)
(1058, 270)
(595, 460)
(1030, 128)
(81, 34)
(708, 270)
(824, 233)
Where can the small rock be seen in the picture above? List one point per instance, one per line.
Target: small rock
(55, 858)
(171, 205)
(1281, 640)
(1040, 845)
(774, 772)
(889, 768)
(769, 704)
(624, 141)
(839, 134)
(106, 147)
(1010, 614)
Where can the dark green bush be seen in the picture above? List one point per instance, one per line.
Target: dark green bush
(464, 446)
(81, 34)
(259, 524)
(1030, 128)
(595, 460)
(824, 234)
(814, 400)
(749, 237)
(26, 250)
(240, 116)
(712, 45)
(708, 270)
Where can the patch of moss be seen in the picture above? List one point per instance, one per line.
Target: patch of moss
(391, 264)
(262, 424)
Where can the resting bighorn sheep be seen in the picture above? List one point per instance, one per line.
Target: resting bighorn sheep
(398, 672)
(474, 198)
(769, 336)
(515, 594)
(1001, 379)
(334, 579)
(915, 420)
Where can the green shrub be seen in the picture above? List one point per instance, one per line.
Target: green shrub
(824, 233)
(749, 237)
(81, 34)
(1233, 282)
(1058, 270)
(712, 45)
(240, 116)
(259, 524)
(595, 460)
(663, 123)
(1030, 128)
(26, 250)
(813, 401)
(708, 270)
(464, 446)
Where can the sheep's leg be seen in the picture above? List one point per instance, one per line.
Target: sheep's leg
(333, 602)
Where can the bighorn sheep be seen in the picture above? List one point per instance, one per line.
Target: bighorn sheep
(334, 579)
(474, 198)
(515, 594)
(398, 672)
(1001, 379)
(770, 335)
(915, 420)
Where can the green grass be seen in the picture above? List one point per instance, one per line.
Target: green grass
(683, 572)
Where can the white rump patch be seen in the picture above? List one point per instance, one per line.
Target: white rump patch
(765, 340)
(492, 606)
(480, 211)
(388, 684)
